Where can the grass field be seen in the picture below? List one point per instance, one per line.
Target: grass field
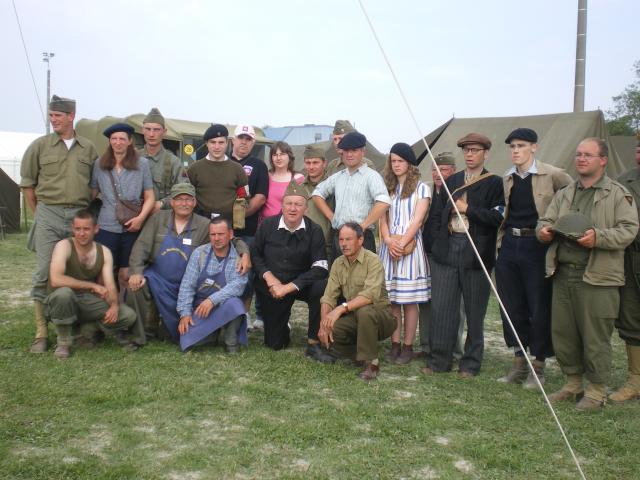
(161, 414)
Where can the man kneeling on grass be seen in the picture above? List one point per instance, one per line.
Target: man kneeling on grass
(82, 289)
(209, 296)
(355, 309)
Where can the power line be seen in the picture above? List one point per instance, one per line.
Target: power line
(26, 54)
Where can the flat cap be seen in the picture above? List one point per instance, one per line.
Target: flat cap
(118, 127)
(61, 104)
(352, 140)
(405, 152)
(215, 131)
(313, 151)
(183, 188)
(154, 116)
(525, 134)
(445, 158)
(293, 189)
(343, 126)
(475, 138)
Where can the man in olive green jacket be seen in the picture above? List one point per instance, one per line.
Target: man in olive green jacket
(587, 273)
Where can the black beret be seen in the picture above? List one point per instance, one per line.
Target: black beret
(215, 131)
(352, 140)
(118, 127)
(525, 134)
(405, 152)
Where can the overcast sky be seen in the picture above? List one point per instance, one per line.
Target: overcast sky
(285, 62)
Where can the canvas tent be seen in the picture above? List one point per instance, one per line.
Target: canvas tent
(625, 146)
(183, 137)
(9, 203)
(558, 135)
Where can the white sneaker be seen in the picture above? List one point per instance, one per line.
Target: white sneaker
(258, 324)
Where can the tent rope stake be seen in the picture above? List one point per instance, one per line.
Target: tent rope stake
(477, 254)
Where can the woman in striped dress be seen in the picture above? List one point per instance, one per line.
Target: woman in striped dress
(402, 253)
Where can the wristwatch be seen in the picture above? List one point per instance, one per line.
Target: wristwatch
(346, 307)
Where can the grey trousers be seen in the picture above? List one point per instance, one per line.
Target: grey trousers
(425, 315)
(451, 282)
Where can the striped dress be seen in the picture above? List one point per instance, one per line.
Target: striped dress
(407, 279)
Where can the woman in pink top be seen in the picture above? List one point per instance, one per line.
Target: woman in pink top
(280, 174)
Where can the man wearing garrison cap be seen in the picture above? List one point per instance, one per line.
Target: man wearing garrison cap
(341, 128)
(290, 263)
(360, 193)
(56, 171)
(165, 167)
(315, 166)
(529, 187)
(455, 270)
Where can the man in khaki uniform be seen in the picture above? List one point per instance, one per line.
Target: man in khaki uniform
(166, 168)
(587, 273)
(628, 323)
(56, 171)
(316, 168)
(341, 128)
(355, 312)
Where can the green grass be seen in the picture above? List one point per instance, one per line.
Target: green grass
(161, 414)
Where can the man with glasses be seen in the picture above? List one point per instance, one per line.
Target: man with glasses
(587, 268)
(529, 186)
(455, 270)
(166, 169)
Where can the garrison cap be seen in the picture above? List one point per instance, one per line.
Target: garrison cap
(573, 225)
(118, 127)
(293, 189)
(183, 189)
(445, 158)
(352, 140)
(215, 131)
(314, 151)
(154, 116)
(405, 152)
(525, 134)
(343, 126)
(475, 138)
(61, 104)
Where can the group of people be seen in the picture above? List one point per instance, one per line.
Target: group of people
(191, 248)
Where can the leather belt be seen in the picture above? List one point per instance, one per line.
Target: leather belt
(522, 232)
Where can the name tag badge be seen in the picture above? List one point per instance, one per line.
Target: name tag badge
(186, 241)
(209, 281)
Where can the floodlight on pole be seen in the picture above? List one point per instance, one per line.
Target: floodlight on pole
(46, 57)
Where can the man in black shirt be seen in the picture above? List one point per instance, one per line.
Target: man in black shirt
(290, 263)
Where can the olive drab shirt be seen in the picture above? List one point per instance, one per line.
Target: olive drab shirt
(166, 171)
(59, 175)
(364, 277)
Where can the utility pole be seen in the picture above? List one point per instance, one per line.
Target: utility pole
(581, 54)
(46, 57)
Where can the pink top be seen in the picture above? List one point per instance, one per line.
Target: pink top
(273, 205)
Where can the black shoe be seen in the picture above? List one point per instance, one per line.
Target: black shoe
(319, 354)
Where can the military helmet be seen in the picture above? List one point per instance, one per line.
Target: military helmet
(573, 225)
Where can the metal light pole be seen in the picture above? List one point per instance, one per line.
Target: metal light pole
(46, 57)
(581, 54)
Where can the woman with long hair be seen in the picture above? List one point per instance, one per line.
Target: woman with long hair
(122, 177)
(401, 251)
(281, 172)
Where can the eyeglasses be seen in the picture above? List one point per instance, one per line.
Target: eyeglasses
(588, 156)
(472, 150)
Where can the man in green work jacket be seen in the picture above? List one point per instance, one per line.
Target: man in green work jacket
(587, 266)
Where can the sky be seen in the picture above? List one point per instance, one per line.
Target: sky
(286, 62)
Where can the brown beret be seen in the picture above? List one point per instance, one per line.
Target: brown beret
(475, 138)
(61, 104)
(445, 158)
(154, 116)
(313, 151)
(343, 126)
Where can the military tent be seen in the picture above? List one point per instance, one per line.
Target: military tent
(9, 203)
(558, 136)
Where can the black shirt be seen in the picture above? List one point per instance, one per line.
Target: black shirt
(258, 175)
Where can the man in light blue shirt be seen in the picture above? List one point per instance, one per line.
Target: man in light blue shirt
(360, 193)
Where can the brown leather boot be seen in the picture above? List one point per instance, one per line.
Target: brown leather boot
(570, 391)
(370, 372)
(392, 355)
(40, 344)
(594, 398)
(406, 355)
(631, 389)
(530, 383)
(62, 352)
(518, 372)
